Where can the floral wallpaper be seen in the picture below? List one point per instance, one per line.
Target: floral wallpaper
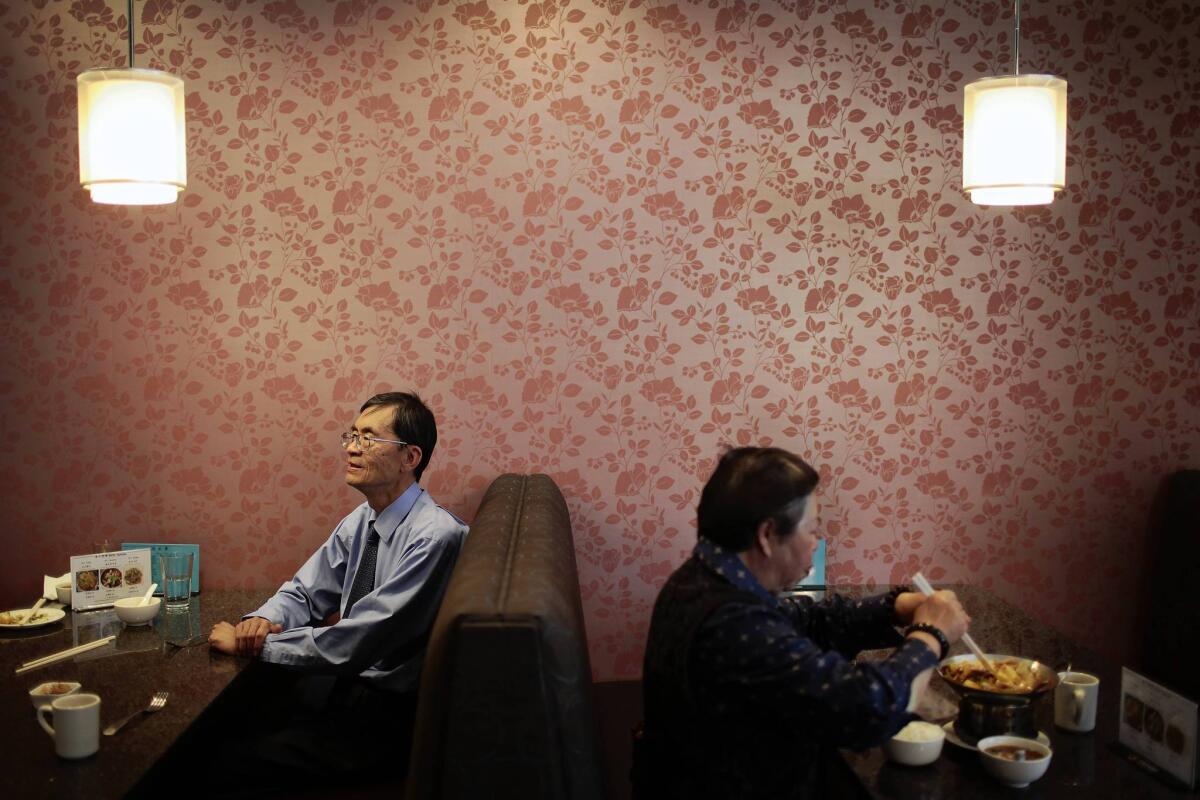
(603, 238)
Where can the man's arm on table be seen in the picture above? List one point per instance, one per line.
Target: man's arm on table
(314, 593)
(397, 613)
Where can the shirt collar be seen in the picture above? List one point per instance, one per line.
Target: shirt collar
(390, 518)
(727, 564)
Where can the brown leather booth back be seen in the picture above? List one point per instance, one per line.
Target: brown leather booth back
(505, 699)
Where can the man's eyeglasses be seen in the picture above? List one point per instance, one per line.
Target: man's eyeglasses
(364, 441)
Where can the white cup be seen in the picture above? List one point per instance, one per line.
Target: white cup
(76, 730)
(1075, 701)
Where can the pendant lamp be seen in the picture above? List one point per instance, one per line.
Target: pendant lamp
(132, 135)
(1015, 135)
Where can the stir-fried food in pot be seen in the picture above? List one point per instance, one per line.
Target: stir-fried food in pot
(1011, 677)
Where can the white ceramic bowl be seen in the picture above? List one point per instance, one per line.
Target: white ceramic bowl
(42, 694)
(131, 613)
(1014, 773)
(64, 595)
(916, 744)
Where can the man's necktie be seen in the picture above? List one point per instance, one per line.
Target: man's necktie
(364, 579)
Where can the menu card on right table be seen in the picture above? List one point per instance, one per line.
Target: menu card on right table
(1159, 725)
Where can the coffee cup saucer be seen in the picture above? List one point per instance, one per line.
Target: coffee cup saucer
(953, 738)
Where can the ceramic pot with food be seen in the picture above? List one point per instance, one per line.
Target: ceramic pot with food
(997, 703)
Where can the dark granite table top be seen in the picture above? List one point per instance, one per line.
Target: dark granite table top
(125, 677)
(1083, 765)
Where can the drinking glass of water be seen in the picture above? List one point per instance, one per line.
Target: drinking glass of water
(176, 572)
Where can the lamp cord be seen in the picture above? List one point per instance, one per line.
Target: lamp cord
(131, 34)
(1016, 38)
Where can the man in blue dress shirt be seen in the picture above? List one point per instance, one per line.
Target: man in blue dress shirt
(746, 691)
(380, 578)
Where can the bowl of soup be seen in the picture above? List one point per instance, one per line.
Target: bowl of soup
(1013, 760)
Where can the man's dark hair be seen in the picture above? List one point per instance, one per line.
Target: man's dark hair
(413, 422)
(750, 485)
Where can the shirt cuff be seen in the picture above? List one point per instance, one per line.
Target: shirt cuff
(273, 653)
(913, 657)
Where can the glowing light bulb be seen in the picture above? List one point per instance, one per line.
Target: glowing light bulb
(132, 136)
(1015, 139)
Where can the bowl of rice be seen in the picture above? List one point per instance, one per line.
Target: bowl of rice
(916, 744)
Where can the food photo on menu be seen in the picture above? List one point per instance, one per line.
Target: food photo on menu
(100, 579)
(1175, 739)
(110, 578)
(87, 580)
(1134, 710)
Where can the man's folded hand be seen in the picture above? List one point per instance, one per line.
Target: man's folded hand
(244, 640)
(222, 639)
(251, 633)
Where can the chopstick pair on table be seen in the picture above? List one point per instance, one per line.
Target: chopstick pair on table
(62, 655)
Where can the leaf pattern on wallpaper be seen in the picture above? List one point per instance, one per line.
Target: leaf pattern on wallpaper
(604, 238)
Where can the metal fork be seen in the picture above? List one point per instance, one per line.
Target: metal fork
(175, 648)
(156, 703)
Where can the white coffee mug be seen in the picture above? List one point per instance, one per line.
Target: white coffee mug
(1075, 701)
(76, 730)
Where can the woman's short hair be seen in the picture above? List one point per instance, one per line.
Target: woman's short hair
(751, 485)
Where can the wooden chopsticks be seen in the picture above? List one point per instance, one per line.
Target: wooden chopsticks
(62, 655)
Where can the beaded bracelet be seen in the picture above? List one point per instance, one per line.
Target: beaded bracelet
(935, 632)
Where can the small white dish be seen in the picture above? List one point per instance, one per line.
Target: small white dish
(1015, 773)
(953, 738)
(45, 616)
(46, 693)
(131, 611)
(916, 744)
(64, 594)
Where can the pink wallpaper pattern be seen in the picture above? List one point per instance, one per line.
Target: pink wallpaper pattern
(603, 238)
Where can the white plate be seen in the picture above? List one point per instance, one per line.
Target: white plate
(952, 738)
(46, 616)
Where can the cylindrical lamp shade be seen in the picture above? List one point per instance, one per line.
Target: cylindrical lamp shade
(1015, 139)
(132, 136)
